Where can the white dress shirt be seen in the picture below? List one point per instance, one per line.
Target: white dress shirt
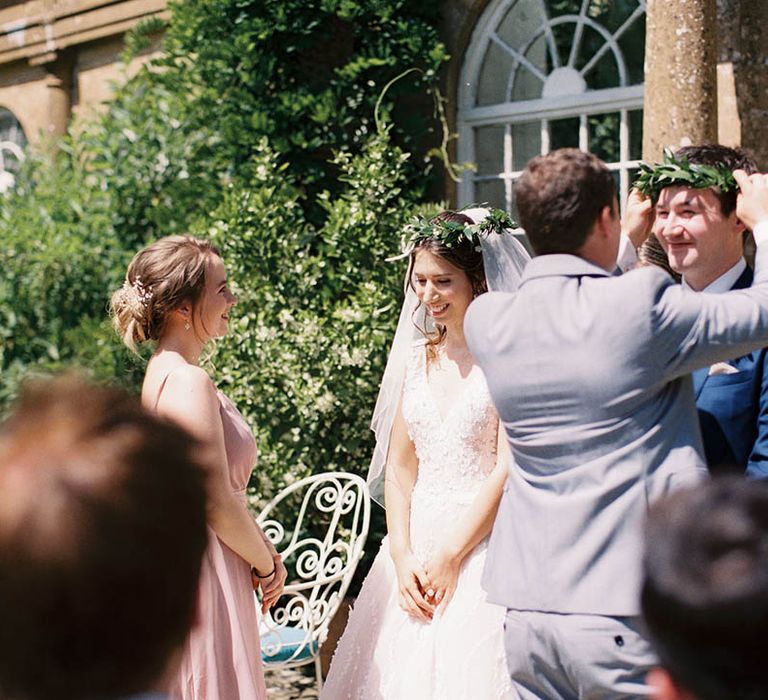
(725, 281)
(760, 232)
(627, 256)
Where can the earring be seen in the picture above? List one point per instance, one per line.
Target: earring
(186, 325)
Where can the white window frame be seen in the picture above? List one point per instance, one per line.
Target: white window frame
(12, 144)
(622, 98)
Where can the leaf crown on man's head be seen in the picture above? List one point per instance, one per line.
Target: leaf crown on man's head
(672, 171)
(452, 233)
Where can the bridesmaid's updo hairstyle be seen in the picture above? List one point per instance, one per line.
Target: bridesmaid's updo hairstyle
(465, 255)
(160, 278)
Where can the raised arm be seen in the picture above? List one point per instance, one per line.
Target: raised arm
(757, 465)
(752, 202)
(752, 209)
(443, 570)
(636, 225)
(190, 400)
(402, 469)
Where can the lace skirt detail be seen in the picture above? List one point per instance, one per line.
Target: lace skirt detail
(385, 654)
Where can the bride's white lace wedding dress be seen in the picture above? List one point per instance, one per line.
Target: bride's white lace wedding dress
(384, 653)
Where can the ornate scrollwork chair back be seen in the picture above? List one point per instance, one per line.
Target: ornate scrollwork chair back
(321, 548)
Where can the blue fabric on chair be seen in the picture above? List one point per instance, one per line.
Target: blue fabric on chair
(287, 641)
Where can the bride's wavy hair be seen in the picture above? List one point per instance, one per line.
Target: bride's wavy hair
(464, 255)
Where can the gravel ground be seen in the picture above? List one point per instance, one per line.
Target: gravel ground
(292, 684)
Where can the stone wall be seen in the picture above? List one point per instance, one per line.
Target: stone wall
(23, 91)
(458, 20)
(58, 57)
(680, 105)
(742, 34)
(98, 67)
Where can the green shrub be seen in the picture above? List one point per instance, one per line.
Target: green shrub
(317, 309)
(256, 127)
(58, 255)
(305, 73)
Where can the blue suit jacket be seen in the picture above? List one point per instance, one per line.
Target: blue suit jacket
(733, 412)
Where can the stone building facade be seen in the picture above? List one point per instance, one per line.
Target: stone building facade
(57, 60)
(622, 78)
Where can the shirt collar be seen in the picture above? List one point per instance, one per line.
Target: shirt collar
(559, 265)
(726, 281)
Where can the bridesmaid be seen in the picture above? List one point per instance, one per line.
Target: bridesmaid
(176, 294)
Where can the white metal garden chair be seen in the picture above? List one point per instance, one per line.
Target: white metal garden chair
(321, 550)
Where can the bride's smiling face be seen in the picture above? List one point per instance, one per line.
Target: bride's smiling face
(444, 289)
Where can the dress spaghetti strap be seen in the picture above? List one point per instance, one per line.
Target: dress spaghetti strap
(160, 391)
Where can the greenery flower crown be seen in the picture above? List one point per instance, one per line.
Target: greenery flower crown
(673, 171)
(451, 233)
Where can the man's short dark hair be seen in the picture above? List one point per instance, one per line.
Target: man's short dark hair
(705, 594)
(559, 197)
(102, 532)
(718, 155)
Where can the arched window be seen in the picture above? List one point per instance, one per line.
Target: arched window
(545, 74)
(12, 145)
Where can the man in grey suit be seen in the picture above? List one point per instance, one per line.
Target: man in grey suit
(590, 376)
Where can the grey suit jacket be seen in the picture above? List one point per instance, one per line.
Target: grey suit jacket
(590, 374)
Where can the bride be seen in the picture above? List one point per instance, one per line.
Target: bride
(421, 627)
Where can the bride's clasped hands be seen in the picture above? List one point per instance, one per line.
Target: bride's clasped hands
(413, 586)
(425, 591)
(442, 572)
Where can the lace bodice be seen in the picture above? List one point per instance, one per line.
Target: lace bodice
(456, 447)
(387, 653)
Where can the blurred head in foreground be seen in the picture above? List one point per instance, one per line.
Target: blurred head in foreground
(102, 532)
(705, 594)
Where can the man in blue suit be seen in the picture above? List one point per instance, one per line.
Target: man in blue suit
(699, 230)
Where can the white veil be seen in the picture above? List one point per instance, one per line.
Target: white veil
(504, 259)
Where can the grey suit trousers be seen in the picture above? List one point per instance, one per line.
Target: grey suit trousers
(555, 656)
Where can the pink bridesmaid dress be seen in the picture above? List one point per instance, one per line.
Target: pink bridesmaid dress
(222, 655)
